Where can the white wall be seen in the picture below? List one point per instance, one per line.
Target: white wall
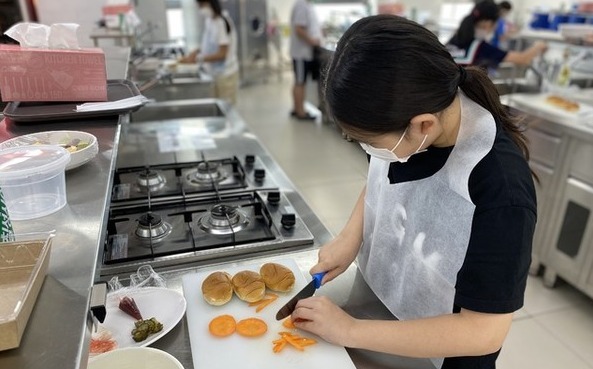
(84, 12)
(154, 22)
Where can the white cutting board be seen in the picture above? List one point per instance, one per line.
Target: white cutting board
(236, 351)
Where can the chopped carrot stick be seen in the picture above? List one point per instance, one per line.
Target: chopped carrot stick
(256, 303)
(288, 323)
(294, 342)
(298, 342)
(268, 296)
(279, 346)
(261, 306)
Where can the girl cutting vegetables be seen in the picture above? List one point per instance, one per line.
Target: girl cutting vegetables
(443, 229)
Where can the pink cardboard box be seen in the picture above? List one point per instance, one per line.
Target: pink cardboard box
(52, 75)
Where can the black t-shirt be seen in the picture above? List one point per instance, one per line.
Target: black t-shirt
(494, 273)
(479, 53)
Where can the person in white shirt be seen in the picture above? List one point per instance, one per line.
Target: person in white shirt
(305, 36)
(218, 50)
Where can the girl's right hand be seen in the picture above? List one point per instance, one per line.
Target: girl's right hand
(336, 256)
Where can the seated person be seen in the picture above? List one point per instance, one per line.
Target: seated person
(469, 45)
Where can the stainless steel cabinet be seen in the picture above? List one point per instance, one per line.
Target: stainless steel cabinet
(571, 234)
(251, 19)
(546, 149)
(568, 244)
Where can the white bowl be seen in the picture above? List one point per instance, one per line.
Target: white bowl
(135, 358)
(78, 156)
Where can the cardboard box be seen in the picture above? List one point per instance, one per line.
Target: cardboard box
(52, 74)
(22, 271)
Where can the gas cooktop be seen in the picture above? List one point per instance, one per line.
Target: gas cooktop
(170, 214)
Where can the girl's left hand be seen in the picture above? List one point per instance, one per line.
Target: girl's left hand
(322, 317)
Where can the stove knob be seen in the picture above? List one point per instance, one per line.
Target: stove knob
(259, 175)
(288, 220)
(249, 159)
(274, 197)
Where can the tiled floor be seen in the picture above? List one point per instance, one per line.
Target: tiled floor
(554, 330)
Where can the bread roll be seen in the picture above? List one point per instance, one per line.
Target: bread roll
(217, 288)
(249, 286)
(562, 103)
(277, 277)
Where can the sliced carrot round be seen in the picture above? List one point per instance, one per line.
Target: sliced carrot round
(251, 327)
(222, 326)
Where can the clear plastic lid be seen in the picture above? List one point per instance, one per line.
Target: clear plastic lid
(26, 161)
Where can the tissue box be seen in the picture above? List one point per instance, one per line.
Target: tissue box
(52, 74)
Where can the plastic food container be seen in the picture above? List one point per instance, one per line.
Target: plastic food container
(33, 181)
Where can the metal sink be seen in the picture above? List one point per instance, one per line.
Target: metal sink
(504, 87)
(196, 108)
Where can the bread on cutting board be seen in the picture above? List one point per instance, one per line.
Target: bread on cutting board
(249, 286)
(217, 288)
(277, 277)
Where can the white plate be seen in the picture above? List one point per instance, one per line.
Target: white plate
(77, 158)
(166, 305)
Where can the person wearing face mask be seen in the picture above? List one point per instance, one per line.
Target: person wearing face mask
(218, 50)
(504, 29)
(442, 231)
(470, 43)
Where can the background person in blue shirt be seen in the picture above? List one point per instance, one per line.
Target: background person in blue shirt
(504, 29)
(469, 45)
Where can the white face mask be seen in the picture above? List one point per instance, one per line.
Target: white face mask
(206, 12)
(390, 155)
(482, 34)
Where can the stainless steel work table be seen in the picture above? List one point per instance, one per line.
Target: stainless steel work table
(56, 335)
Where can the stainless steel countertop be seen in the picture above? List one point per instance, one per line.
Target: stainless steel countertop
(56, 335)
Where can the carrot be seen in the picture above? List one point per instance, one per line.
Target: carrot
(279, 346)
(296, 341)
(222, 326)
(261, 306)
(288, 323)
(251, 327)
(256, 303)
(266, 298)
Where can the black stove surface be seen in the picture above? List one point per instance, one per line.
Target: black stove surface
(178, 179)
(153, 230)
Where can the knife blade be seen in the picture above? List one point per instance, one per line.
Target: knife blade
(307, 291)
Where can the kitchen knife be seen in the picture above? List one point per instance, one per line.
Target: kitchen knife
(308, 291)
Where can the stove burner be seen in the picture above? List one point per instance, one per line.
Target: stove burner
(205, 174)
(152, 228)
(150, 180)
(223, 219)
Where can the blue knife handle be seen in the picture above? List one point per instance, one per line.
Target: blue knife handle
(317, 279)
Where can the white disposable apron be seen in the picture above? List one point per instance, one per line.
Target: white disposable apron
(416, 233)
